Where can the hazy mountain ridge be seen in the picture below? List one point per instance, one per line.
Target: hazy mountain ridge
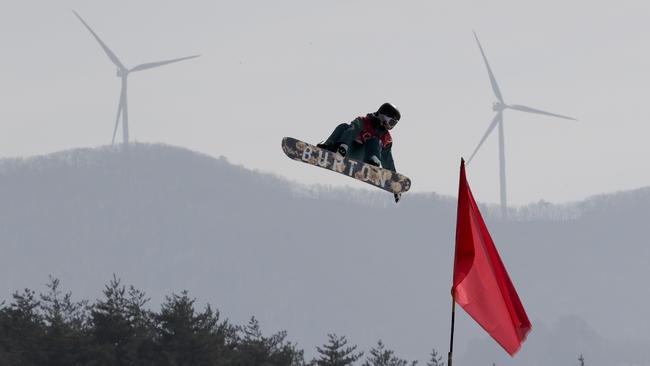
(111, 158)
(311, 260)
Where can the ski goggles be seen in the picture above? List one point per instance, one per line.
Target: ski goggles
(388, 121)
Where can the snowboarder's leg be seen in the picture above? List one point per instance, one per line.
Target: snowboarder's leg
(356, 151)
(373, 152)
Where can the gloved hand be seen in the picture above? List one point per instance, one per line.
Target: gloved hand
(397, 197)
(374, 160)
(343, 150)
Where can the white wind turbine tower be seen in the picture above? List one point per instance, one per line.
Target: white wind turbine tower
(499, 106)
(123, 73)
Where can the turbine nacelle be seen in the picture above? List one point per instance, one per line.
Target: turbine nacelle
(498, 106)
(120, 73)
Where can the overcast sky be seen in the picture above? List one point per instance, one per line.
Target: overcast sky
(298, 68)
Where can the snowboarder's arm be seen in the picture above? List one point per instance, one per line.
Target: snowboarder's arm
(388, 163)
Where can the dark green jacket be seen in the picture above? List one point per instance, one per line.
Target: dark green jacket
(366, 137)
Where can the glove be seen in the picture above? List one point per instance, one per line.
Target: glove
(374, 160)
(397, 197)
(343, 150)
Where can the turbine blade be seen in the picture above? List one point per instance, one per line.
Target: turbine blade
(523, 108)
(150, 65)
(494, 123)
(493, 81)
(107, 50)
(117, 119)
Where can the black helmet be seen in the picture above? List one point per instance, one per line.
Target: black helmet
(389, 110)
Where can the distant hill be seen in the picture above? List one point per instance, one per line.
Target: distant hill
(318, 260)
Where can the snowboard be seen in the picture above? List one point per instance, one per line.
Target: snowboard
(385, 179)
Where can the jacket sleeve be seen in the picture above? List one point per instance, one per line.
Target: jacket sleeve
(387, 158)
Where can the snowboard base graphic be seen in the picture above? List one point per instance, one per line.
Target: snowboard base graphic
(382, 178)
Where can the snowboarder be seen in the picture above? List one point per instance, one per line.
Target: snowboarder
(367, 138)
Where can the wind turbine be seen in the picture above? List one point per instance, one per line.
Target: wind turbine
(123, 73)
(499, 106)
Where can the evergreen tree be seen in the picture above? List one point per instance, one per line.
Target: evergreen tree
(253, 349)
(337, 353)
(123, 330)
(21, 330)
(435, 359)
(380, 356)
(191, 338)
(65, 326)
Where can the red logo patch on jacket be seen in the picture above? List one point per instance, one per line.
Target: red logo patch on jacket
(368, 131)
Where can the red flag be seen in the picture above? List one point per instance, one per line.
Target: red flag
(481, 284)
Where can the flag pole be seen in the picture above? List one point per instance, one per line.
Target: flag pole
(453, 287)
(451, 341)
